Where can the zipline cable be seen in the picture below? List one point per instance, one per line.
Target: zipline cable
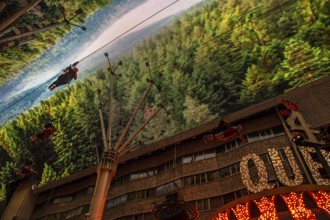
(29, 93)
(138, 24)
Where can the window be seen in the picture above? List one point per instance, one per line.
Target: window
(160, 190)
(224, 172)
(169, 187)
(240, 143)
(221, 149)
(228, 197)
(200, 178)
(216, 202)
(143, 174)
(268, 132)
(202, 205)
(278, 130)
(166, 166)
(209, 153)
(74, 212)
(199, 156)
(116, 201)
(254, 136)
(213, 175)
(187, 181)
(234, 168)
(123, 199)
(135, 176)
(152, 172)
(228, 146)
(131, 196)
(62, 199)
(179, 161)
(109, 203)
(178, 183)
(151, 192)
(140, 194)
(187, 159)
(169, 165)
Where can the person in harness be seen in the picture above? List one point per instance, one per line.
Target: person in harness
(228, 134)
(47, 131)
(27, 170)
(65, 78)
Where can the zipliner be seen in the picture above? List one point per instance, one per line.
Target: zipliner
(66, 77)
(228, 134)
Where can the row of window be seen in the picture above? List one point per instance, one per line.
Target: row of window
(144, 194)
(213, 203)
(80, 211)
(206, 204)
(67, 198)
(183, 182)
(223, 148)
(144, 173)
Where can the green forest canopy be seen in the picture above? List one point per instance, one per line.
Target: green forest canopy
(214, 60)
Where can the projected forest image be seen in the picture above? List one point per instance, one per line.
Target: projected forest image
(208, 60)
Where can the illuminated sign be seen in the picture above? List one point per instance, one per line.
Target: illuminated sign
(267, 207)
(296, 124)
(262, 182)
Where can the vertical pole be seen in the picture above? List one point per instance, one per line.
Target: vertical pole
(110, 112)
(105, 171)
(108, 163)
(104, 136)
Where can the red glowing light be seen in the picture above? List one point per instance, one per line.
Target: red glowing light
(297, 207)
(242, 212)
(322, 200)
(267, 208)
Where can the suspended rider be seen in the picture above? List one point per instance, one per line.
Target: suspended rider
(66, 77)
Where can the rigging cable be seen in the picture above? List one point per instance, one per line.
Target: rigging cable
(130, 29)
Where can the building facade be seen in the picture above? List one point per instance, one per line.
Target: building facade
(281, 173)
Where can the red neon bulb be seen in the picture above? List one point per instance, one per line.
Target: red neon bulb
(297, 207)
(322, 200)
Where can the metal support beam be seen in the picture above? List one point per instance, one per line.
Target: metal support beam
(129, 123)
(105, 171)
(295, 148)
